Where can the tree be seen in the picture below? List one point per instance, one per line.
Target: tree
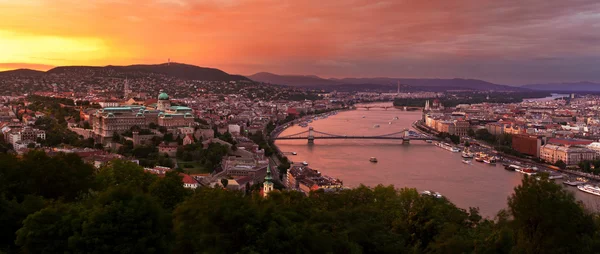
(195, 222)
(116, 137)
(13, 213)
(561, 164)
(467, 144)
(471, 133)
(63, 176)
(122, 220)
(454, 138)
(169, 190)
(49, 230)
(224, 182)
(124, 173)
(547, 219)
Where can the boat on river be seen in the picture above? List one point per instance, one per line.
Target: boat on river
(588, 188)
(526, 171)
(373, 159)
(573, 183)
(467, 155)
(376, 126)
(554, 176)
(304, 163)
(490, 160)
(466, 162)
(448, 147)
(511, 167)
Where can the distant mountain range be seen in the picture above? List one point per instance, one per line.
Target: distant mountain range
(424, 84)
(566, 87)
(176, 70)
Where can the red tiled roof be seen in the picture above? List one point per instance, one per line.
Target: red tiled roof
(188, 179)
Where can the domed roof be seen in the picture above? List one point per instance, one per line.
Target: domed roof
(163, 96)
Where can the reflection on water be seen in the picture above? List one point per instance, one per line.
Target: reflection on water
(417, 165)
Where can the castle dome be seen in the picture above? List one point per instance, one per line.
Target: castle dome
(163, 96)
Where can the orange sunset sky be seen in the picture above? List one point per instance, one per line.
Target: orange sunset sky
(509, 42)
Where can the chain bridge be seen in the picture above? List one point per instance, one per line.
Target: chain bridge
(311, 135)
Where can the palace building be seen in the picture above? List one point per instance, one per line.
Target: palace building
(109, 120)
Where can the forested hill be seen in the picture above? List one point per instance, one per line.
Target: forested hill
(61, 205)
(175, 70)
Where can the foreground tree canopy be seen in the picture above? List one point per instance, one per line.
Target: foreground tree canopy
(61, 205)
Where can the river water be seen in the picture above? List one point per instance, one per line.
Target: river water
(417, 165)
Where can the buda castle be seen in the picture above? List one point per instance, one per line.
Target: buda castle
(109, 120)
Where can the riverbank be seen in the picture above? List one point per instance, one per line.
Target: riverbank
(542, 166)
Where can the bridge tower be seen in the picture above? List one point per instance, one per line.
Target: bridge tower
(406, 137)
(311, 135)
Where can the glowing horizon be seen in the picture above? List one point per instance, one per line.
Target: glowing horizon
(500, 41)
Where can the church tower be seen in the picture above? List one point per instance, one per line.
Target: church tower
(268, 183)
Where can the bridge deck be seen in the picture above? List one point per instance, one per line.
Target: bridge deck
(359, 137)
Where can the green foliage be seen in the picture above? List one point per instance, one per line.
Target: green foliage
(122, 209)
(227, 137)
(453, 138)
(51, 229)
(561, 164)
(224, 182)
(63, 176)
(122, 220)
(12, 213)
(169, 190)
(210, 157)
(545, 216)
(57, 133)
(124, 173)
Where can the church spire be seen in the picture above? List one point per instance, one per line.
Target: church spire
(268, 183)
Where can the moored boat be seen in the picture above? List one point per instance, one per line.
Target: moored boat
(555, 176)
(527, 171)
(588, 188)
(304, 163)
(573, 183)
(490, 160)
(511, 167)
(467, 155)
(448, 147)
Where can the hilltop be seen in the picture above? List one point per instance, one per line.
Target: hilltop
(21, 73)
(175, 70)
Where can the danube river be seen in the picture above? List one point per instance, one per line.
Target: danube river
(417, 165)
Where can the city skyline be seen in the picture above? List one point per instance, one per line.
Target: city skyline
(504, 42)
